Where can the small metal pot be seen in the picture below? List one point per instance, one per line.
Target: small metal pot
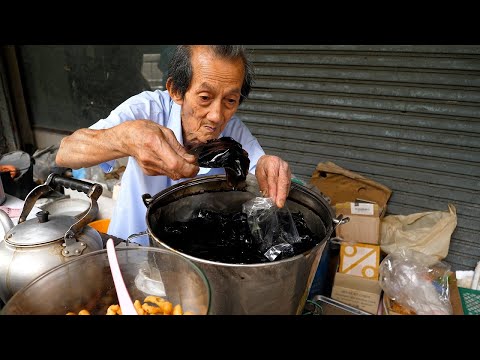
(36, 245)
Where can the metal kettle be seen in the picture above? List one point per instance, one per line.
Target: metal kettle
(34, 246)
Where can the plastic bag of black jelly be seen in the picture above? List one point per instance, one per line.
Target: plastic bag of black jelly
(224, 153)
(273, 229)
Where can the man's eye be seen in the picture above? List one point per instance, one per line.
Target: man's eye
(204, 98)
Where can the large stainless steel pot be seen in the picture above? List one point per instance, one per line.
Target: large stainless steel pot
(36, 245)
(278, 287)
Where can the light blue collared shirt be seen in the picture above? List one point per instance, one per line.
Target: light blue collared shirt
(129, 214)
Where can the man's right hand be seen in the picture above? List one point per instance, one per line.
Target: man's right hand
(156, 149)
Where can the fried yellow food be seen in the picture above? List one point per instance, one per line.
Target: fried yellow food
(113, 309)
(152, 305)
(167, 308)
(152, 310)
(81, 312)
(177, 310)
(138, 306)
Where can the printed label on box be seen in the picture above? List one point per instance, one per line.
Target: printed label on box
(360, 260)
(362, 208)
(364, 294)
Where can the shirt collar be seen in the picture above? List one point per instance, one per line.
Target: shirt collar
(175, 121)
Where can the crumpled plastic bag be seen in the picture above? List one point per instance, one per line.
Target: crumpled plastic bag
(273, 229)
(426, 232)
(223, 152)
(416, 281)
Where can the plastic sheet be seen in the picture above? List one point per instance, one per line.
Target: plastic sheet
(417, 281)
(273, 229)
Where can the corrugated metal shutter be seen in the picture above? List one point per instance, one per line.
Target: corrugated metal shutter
(405, 116)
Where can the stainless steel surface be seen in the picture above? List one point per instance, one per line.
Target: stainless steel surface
(68, 207)
(32, 232)
(5, 222)
(36, 245)
(86, 282)
(279, 287)
(20, 265)
(20, 159)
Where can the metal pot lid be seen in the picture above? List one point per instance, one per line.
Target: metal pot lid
(68, 206)
(41, 230)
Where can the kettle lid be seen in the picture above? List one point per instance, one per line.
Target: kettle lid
(43, 229)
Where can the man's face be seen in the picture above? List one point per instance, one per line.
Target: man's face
(213, 96)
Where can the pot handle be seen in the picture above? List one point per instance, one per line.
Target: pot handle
(147, 199)
(340, 220)
(133, 236)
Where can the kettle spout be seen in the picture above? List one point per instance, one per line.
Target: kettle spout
(5, 220)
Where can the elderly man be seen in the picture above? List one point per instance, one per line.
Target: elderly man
(205, 86)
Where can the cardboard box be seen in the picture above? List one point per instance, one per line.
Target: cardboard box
(364, 224)
(361, 293)
(360, 260)
(361, 199)
(455, 299)
(342, 185)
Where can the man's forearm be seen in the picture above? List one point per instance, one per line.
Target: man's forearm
(87, 147)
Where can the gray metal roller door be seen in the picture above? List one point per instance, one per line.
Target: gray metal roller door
(407, 116)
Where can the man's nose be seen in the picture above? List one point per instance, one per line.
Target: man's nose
(215, 112)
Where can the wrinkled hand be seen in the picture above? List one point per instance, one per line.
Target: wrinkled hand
(274, 178)
(157, 151)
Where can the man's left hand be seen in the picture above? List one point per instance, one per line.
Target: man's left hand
(274, 178)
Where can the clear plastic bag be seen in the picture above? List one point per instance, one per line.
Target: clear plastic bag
(416, 281)
(273, 229)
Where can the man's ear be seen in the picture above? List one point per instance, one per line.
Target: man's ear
(175, 95)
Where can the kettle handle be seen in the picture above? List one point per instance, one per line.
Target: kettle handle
(93, 191)
(55, 180)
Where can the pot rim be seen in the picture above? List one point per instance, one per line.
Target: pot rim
(151, 201)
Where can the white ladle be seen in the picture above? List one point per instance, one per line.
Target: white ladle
(124, 298)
